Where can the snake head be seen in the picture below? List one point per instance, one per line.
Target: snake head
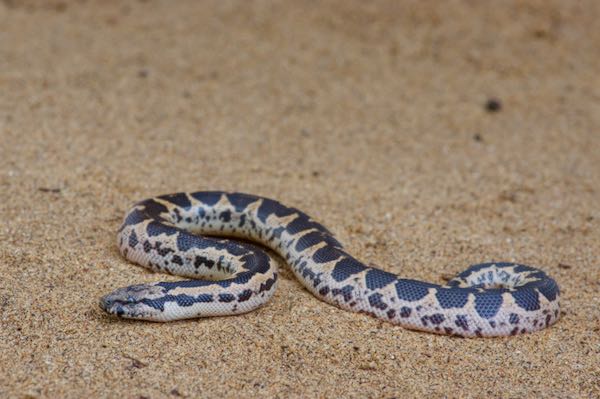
(134, 302)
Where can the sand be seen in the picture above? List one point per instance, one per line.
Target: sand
(375, 119)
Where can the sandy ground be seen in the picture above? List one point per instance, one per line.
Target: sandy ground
(371, 118)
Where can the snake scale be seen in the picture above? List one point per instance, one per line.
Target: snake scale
(164, 234)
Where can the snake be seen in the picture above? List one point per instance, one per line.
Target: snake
(211, 237)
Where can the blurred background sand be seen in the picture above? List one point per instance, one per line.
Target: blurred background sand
(372, 118)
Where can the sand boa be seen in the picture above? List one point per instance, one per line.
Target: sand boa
(490, 299)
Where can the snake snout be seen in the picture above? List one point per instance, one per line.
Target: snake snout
(129, 301)
(113, 302)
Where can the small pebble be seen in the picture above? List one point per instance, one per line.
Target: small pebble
(493, 105)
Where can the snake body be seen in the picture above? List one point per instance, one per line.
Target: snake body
(163, 234)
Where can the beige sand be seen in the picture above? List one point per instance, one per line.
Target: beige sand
(371, 118)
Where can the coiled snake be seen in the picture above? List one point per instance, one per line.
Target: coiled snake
(162, 233)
